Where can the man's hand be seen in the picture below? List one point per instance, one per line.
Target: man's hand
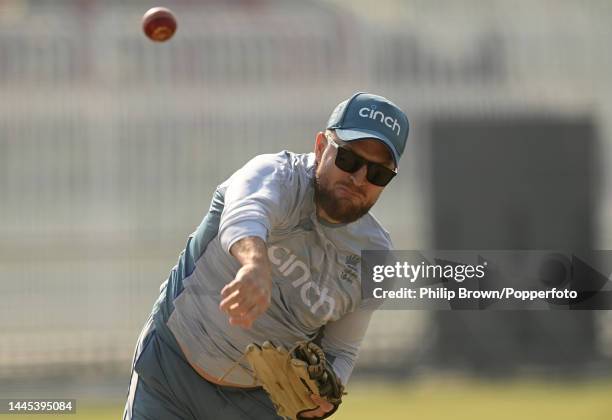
(246, 297)
(324, 407)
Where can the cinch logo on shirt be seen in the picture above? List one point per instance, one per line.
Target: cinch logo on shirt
(288, 263)
(373, 114)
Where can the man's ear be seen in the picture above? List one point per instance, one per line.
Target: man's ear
(320, 145)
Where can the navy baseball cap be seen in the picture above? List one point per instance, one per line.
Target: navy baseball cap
(367, 116)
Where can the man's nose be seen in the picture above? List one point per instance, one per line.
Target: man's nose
(359, 177)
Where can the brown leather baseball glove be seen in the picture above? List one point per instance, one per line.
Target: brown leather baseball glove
(290, 377)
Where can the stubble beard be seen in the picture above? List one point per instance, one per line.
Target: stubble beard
(342, 210)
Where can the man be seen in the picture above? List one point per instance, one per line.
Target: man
(276, 258)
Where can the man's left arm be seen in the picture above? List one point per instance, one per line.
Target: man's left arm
(342, 339)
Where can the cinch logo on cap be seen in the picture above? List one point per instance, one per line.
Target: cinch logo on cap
(368, 116)
(373, 114)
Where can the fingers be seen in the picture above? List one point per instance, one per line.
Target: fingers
(247, 318)
(231, 299)
(229, 288)
(322, 402)
(245, 298)
(312, 414)
(324, 407)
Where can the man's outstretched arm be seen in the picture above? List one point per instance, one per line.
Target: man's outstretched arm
(246, 297)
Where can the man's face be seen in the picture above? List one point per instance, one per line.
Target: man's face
(343, 197)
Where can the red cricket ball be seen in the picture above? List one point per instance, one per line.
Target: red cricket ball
(159, 24)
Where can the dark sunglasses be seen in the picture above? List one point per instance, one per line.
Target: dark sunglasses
(348, 161)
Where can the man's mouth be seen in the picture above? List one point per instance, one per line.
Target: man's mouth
(348, 191)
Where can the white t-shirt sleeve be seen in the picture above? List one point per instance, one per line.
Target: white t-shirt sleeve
(342, 339)
(257, 198)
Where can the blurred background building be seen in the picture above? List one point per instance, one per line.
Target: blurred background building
(111, 146)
